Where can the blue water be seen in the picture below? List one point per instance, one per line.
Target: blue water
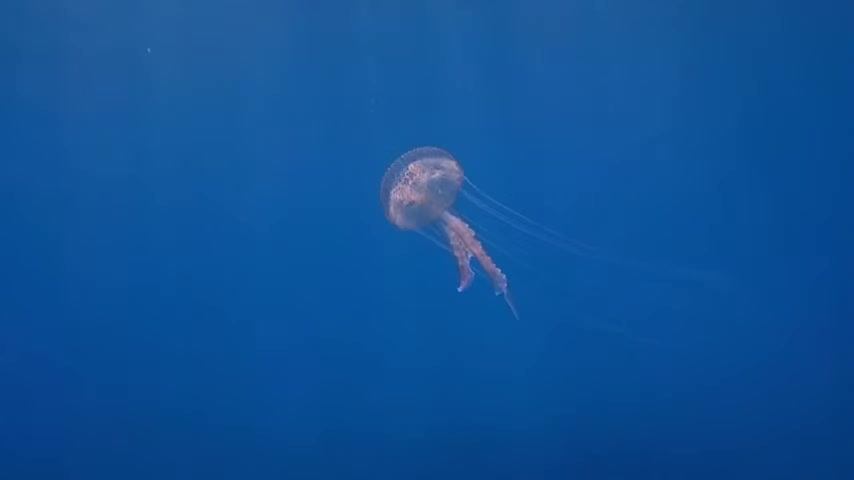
(197, 279)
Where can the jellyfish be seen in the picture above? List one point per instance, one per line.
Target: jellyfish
(418, 190)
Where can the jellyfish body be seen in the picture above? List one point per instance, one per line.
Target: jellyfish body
(418, 190)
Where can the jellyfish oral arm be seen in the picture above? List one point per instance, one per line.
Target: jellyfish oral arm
(465, 246)
(463, 256)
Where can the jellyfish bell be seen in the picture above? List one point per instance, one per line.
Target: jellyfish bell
(419, 186)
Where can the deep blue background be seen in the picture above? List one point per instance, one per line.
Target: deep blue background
(197, 281)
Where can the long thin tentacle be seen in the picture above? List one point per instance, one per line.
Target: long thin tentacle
(529, 229)
(541, 232)
(522, 222)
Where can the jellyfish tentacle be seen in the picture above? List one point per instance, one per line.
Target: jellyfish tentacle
(531, 230)
(511, 303)
(534, 225)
